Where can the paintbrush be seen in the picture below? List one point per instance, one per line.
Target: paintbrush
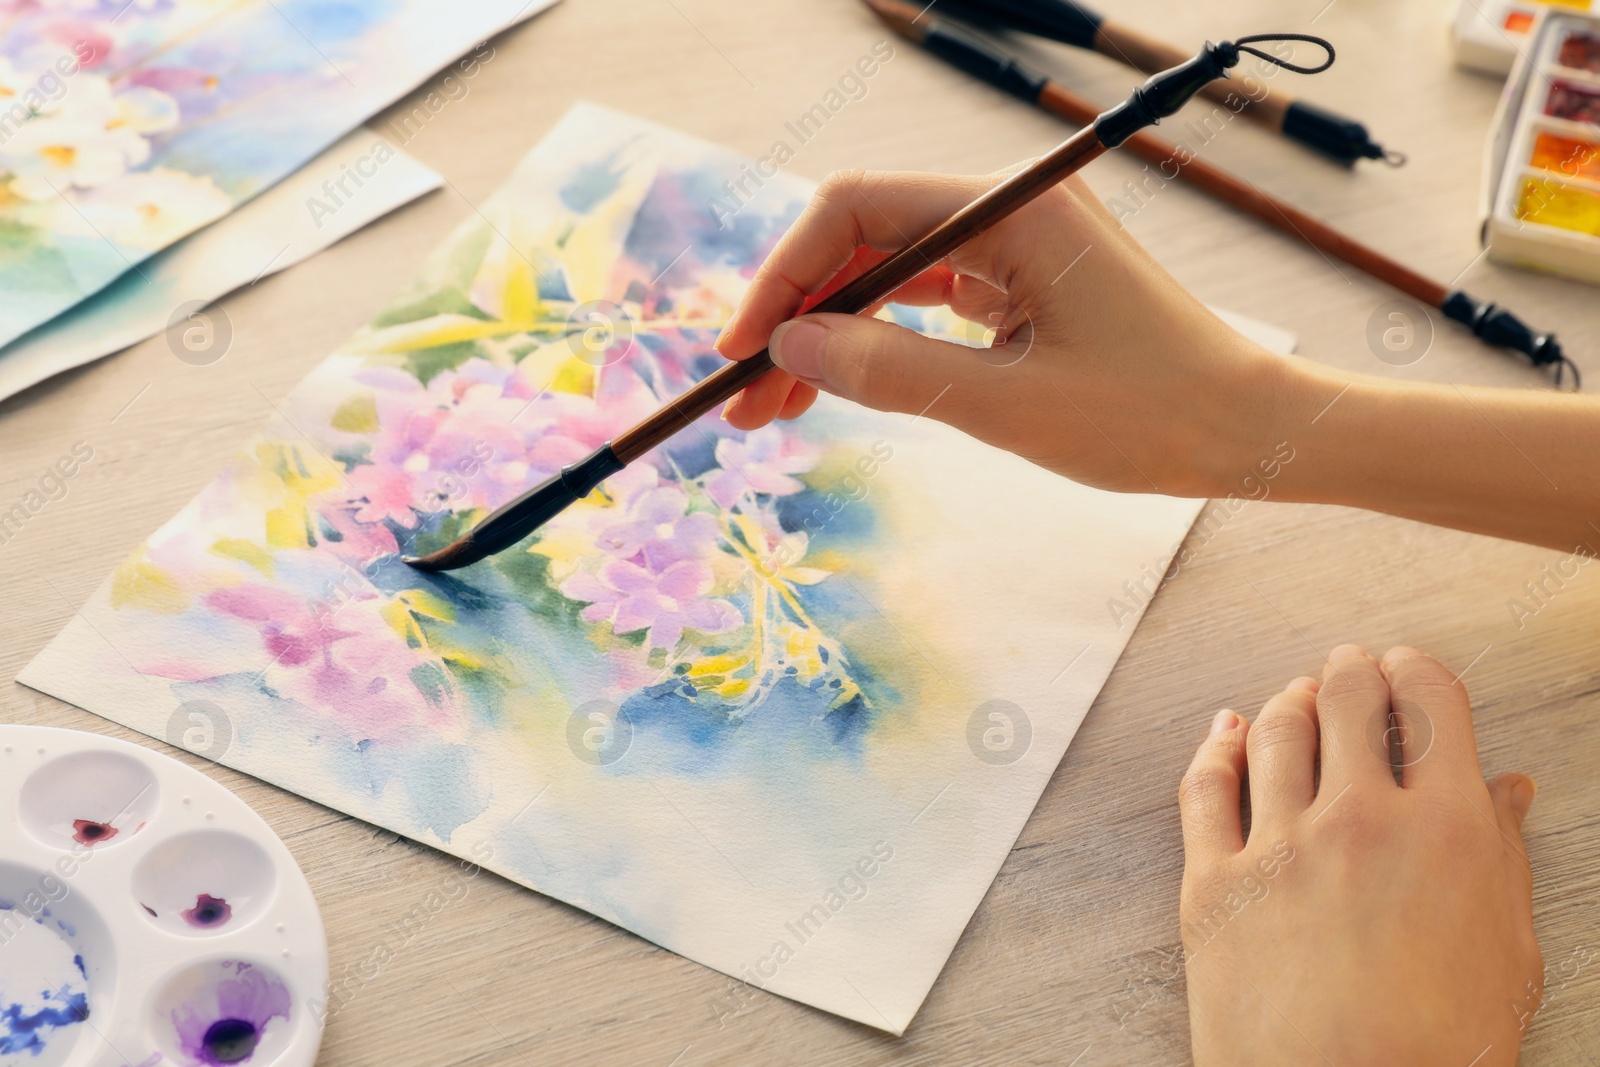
(1341, 139)
(1162, 95)
(1491, 323)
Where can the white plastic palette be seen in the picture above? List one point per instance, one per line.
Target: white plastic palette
(148, 917)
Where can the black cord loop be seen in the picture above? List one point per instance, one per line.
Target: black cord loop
(1243, 45)
(1564, 365)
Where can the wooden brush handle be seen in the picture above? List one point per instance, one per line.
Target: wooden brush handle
(1144, 53)
(872, 287)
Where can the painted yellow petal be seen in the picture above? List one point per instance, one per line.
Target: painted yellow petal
(733, 689)
(401, 622)
(592, 247)
(244, 552)
(286, 527)
(713, 665)
(520, 302)
(141, 584)
(359, 414)
(804, 575)
(430, 333)
(462, 658)
(754, 535)
(423, 602)
(555, 367)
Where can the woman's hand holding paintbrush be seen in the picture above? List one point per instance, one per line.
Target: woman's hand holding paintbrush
(1107, 371)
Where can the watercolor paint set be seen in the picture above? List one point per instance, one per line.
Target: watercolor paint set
(1541, 202)
(1489, 35)
(147, 916)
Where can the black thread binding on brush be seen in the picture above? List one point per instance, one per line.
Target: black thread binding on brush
(1497, 326)
(1168, 91)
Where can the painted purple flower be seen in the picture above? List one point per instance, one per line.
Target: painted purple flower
(764, 462)
(660, 526)
(632, 598)
(224, 1021)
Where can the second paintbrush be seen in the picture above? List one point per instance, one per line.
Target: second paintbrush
(1491, 323)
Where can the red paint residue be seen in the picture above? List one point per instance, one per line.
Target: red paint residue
(89, 832)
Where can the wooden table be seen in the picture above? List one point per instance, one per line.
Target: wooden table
(1071, 952)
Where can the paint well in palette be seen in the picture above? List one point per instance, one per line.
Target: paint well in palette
(228, 1012)
(1565, 207)
(90, 799)
(44, 990)
(205, 882)
(1580, 51)
(1573, 102)
(1570, 156)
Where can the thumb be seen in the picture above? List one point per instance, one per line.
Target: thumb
(872, 362)
(1512, 795)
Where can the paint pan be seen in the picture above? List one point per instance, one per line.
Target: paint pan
(1488, 35)
(1541, 204)
(148, 917)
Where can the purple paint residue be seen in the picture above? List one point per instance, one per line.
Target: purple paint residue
(207, 911)
(230, 1040)
(89, 832)
(224, 1023)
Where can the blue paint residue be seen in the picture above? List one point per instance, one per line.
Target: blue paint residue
(31, 1032)
(43, 985)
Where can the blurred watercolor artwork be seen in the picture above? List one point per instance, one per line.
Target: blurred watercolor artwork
(127, 124)
(779, 701)
(271, 233)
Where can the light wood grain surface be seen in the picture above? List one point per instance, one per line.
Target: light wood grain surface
(1071, 953)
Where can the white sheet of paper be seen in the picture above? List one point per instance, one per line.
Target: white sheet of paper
(779, 701)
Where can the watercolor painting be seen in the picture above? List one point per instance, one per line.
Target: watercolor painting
(126, 124)
(779, 701)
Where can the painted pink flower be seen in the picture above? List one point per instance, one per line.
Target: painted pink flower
(632, 598)
(357, 543)
(337, 653)
(660, 526)
(764, 462)
(386, 492)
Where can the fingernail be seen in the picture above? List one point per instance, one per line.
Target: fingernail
(725, 409)
(798, 347)
(1522, 795)
(1398, 655)
(1225, 721)
(727, 331)
(1309, 684)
